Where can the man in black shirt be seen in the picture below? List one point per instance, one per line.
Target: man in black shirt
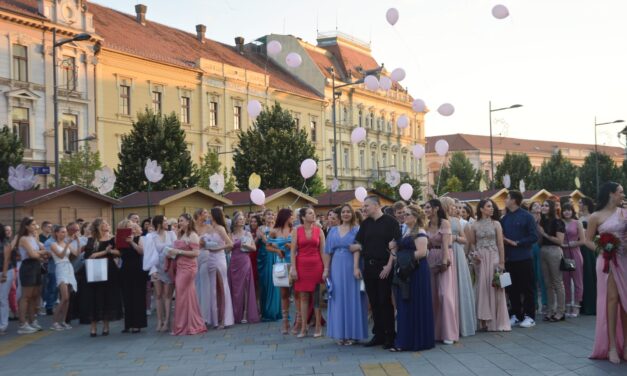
(373, 241)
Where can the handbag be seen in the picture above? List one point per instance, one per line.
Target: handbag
(567, 264)
(280, 274)
(96, 270)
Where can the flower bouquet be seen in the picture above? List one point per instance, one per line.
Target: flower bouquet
(607, 245)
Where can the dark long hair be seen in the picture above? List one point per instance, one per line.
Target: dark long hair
(302, 212)
(588, 203)
(604, 194)
(568, 206)
(496, 213)
(157, 222)
(190, 227)
(3, 235)
(282, 217)
(440, 211)
(549, 218)
(217, 216)
(26, 221)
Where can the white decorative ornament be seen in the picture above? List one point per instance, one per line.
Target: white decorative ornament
(104, 180)
(398, 74)
(153, 171)
(335, 185)
(21, 178)
(402, 122)
(446, 109)
(385, 83)
(216, 183)
(293, 60)
(419, 105)
(254, 108)
(507, 181)
(371, 83)
(500, 11)
(418, 151)
(358, 135)
(274, 48)
(441, 147)
(392, 16)
(521, 186)
(393, 177)
(257, 196)
(406, 191)
(361, 193)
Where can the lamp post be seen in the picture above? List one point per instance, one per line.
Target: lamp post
(491, 145)
(596, 151)
(337, 95)
(55, 44)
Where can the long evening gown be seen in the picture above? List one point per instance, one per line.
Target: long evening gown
(414, 316)
(242, 284)
(269, 296)
(347, 305)
(466, 294)
(576, 276)
(308, 261)
(133, 279)
(443, 291)
(491, 301)
(615, 224)
(589, 300)
(187, 317)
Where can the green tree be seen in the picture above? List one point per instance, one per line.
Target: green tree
(392, 192)
(453, 184)
(210, 164)
(79, 168)
(556, 174)
(11, 154)
(157, 137)
(460, 167)
(518, 166)
(608, 171)
(274, 148)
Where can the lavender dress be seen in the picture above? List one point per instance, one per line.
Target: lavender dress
(242, 284)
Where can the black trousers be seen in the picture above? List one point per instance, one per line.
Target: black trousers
(523, 285)
(380, 296)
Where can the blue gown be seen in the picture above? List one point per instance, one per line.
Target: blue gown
(414, 316)
(269, 296)
(346, 312)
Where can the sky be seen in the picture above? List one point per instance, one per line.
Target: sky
(565, 61)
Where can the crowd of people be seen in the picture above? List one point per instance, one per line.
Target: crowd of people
(423, 273)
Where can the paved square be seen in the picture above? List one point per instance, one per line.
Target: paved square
(259, 350)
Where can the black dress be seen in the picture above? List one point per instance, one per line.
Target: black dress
(133, 278)
(100, 300)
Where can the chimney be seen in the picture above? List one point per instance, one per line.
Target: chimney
(200, 32)
(239, 42)
(140, 10)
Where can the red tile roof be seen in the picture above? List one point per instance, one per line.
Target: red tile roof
(28, 198)
(461, 142)
(137, 199)
(335, 198)
(28, 8)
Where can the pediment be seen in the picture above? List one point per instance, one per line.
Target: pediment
(22, 94)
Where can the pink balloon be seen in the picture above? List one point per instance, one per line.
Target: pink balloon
(293, 60)
(361, 193)
(500, 11)
(441, 147)
(419, 105)
(406, 191)
(392, 16)
(402, 122)
(446, 109)
(385, 83)
(398, 74)
(418, 151)
(257, 196)
(358, 135)
(254, 108)
(274, 48)
(371, 83)
(308, 168)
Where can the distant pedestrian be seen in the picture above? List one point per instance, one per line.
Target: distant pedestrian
(551, 231)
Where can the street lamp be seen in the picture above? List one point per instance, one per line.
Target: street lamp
(91, 137)
(337, 95)
(55, 44)
(596, 151)
(491, 146)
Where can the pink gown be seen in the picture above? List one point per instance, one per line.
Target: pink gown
(242, 284)
(187, 317)
(615, 224)
(443, 291)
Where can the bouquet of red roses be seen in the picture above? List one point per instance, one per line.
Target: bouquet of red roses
(607, 244)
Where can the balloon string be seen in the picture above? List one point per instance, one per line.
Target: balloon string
(304, 190)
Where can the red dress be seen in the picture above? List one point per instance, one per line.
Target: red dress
(308, 260)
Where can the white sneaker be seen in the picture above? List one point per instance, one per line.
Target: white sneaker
(26, 329)
(513, 321)
(35, 325)
(447, 342)
(528, 322)
(66, 326)
(57, 327)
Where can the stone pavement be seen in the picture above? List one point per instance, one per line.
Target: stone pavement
(259, 350)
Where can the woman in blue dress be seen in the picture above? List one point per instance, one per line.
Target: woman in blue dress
(347, 307)
(414, 310)
(269, 296)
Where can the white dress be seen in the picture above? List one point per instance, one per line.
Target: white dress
(64, 271)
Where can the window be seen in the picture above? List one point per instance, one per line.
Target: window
(20, 63)
(157, 101)
(312, 125)
(394, 160)
(361, 118)
(412, 165)
(70, 132)
(237, 117)
(347, 167)
(213, 114)
(362, 160)
(404, 163)
(68, 73)
(372, 119)
(373, 160)
(21, 125)
(345, 114)
(297, 120)
(185, 110)
(125, 100)
(384, 160)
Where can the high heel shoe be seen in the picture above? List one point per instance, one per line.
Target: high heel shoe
(302, 334)
(297, 325)
(612, 356)
(286, 323)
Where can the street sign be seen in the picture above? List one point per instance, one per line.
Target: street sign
(41, 170)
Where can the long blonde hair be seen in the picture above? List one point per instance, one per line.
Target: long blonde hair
(421, 219)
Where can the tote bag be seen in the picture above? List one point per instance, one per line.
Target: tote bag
(96, 270)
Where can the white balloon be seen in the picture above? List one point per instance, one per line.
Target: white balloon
(371, 83)
(385, 83)
(335, 185)
(402, 122)
(392, 16)
(500, 11)
(507, 181)
(398, 74)
(361, 193)
(441, 147)
(358, 135)
(257, 196)
(406, 191)
(419, 105)
(274, 48)
(308, 168)
(521, 186)
(254, 108)
(446, 109)
(293, 60)
(418, 151)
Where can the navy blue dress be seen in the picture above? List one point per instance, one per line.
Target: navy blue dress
(414, 316)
